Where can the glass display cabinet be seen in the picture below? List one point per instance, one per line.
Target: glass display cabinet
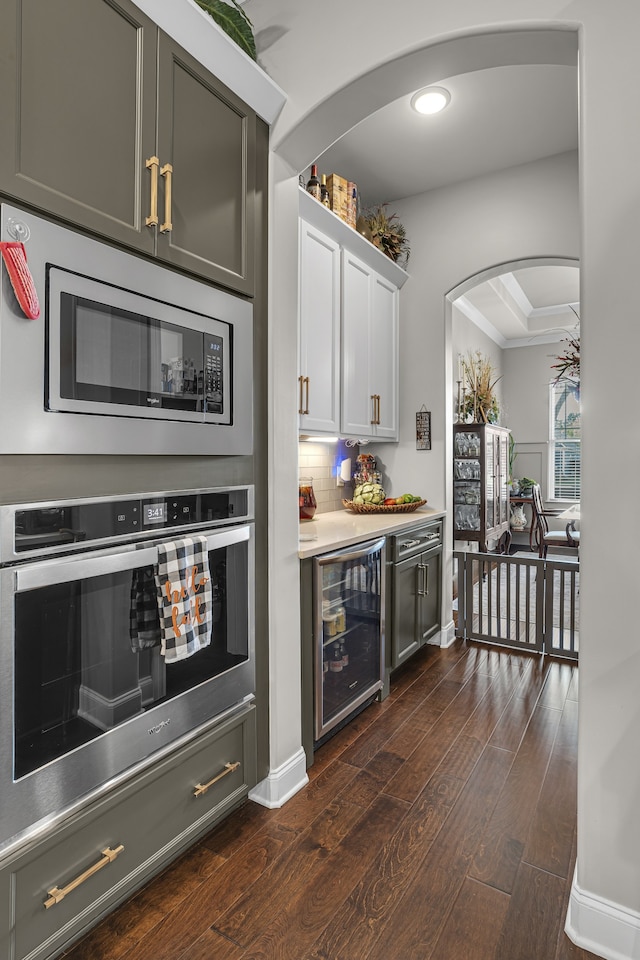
(480, 483)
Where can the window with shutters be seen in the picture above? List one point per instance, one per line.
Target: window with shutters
(564, 447)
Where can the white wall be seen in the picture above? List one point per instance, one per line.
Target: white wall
(527, 375)
(458, 232)
(323, 104)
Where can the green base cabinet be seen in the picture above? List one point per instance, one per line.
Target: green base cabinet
(109, 125)
(57, 888)
(415, 574)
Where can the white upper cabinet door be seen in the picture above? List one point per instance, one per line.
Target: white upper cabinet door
(383, 357)
(358, 403)
(369, 352)
(319, 367)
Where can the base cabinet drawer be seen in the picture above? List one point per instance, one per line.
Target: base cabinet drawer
(64, 884)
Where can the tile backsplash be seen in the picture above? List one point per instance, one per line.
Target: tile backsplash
(321, 461)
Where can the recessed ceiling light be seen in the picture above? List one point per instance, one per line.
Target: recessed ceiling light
(430, 100)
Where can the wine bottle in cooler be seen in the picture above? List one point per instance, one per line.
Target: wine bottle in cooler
(335, 664)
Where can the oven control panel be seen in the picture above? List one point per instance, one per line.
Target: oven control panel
(39, 529)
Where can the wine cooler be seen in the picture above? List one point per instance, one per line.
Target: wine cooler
(349, 594)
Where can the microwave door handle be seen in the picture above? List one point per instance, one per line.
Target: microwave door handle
(66, 570)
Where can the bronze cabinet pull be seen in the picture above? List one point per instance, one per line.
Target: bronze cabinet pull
(304, 382)
(152, 164)
(167, 172)
(201, 788)
(56, 894)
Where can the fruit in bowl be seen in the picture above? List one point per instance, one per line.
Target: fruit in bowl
(407, 498)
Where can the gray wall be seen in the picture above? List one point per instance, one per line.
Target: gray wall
(527, 374)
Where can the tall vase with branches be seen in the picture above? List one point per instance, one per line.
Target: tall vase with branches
(479, 400)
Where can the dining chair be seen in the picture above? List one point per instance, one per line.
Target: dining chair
(545, 538)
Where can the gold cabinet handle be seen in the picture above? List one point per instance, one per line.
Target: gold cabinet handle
(373, 398)
(167, 173)
(56, 894)
(304, 382)
(201, 788)
(152, 164)
(377, 408)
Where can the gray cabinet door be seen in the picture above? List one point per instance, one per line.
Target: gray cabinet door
(207, 135)
(405, 638)
(77, 112)
(415, 604)
(429, 598)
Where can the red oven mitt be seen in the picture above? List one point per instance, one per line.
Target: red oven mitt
(15, 259)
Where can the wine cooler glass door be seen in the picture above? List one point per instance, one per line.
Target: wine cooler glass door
(349, 604)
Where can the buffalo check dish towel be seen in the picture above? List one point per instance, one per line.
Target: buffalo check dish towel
(183, 583)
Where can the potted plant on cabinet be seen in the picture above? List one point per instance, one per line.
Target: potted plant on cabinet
(234, 21)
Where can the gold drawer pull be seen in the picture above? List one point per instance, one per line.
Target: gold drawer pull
(152, 164)
(56, 894)
(167, 173)
(201, 788)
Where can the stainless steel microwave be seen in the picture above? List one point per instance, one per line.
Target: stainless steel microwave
(126, 356)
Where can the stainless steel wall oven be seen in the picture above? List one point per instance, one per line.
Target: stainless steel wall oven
(127, 625)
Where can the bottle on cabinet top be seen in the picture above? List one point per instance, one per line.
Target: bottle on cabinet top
(313, 185)
(325, 200)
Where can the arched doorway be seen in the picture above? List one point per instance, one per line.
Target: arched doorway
(510, 319)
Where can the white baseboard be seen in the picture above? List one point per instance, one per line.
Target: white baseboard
(444, 637)
(283, 782)
(602, 927)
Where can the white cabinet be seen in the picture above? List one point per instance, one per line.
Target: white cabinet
(369, 352)
(319, 305)
(348, 330)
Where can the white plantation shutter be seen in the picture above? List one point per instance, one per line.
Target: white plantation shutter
(566, 470)
(565, 441)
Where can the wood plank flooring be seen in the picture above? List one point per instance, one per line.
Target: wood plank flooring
(438, 824)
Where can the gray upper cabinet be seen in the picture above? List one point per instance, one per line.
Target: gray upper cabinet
(109, 125)
(207, 135)
(78, 113)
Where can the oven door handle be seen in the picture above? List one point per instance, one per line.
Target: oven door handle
(66, 570)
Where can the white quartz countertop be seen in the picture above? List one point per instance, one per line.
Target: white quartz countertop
(341, 528)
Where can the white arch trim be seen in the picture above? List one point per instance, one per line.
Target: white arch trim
(459, 291)
(508, 45)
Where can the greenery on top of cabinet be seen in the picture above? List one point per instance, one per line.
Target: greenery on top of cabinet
(234, 21)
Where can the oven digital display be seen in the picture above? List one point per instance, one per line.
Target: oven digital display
(154, 513)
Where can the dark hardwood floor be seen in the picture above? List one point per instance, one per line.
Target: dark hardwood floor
(438, 824)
